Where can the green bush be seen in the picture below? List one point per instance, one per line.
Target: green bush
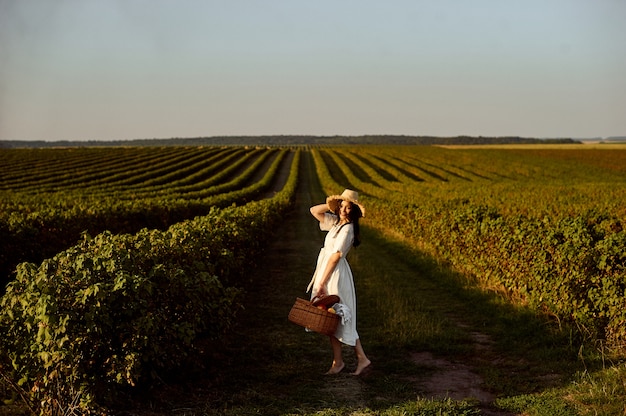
(565, 257)
(572, 267)
(37, 226)
(117, 311)
(114, 310)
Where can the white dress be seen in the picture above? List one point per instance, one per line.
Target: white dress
(338, 239)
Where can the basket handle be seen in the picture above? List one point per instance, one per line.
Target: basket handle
(316, 298)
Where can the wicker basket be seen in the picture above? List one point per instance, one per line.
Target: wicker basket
(303, 313)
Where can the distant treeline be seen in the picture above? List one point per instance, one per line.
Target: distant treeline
(286, 141)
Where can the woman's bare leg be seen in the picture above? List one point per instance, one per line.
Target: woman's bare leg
(338, 363)
(363, 361)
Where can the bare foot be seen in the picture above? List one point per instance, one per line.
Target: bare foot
(335, 369)
(362, 366)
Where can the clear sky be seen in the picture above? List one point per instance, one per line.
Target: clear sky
(133, 69)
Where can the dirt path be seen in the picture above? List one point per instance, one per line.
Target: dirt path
(437, 374)
(292, 258)
(281, 178)
(273, 367)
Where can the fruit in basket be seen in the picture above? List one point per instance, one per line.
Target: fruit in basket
(321, 307)
(332, 310)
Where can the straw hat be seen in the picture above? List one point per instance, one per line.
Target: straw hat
(334, 201)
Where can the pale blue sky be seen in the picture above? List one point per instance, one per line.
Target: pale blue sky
(128, 69)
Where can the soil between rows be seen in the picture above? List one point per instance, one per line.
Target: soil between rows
(273, 367)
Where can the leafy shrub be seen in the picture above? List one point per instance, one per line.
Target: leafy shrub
(37, 226)
(118, 310)
(553, 243)
(114, 309)
(572, 267)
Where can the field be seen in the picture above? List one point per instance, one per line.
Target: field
(156, 280)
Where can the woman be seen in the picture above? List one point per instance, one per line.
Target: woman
(333, 275)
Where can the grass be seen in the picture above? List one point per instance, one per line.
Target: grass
(409, 306)
(408, 303)
(272, 367)
(601, 392)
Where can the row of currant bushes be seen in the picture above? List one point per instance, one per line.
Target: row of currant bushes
(55, 225)
(117, 311)
(571, 267)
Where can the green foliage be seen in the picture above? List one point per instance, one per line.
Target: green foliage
(117, 311)
(528, 224)
(419, 407)
(425, 407)
(543, 228)
(602, 392)
(572, 268)
(45, 209)
(546, 404)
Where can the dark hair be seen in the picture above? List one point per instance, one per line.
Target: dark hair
(355, 214)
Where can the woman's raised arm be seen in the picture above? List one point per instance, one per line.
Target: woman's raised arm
(318, 211)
